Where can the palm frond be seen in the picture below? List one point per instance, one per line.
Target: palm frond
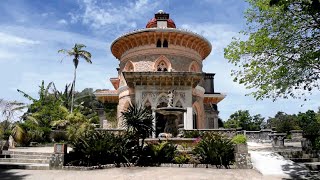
(26, 95)
(33, 119)
(46, 91)
(79, 46)
(85, 55)
(65, 51)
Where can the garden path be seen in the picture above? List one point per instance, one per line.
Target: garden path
(268, 163)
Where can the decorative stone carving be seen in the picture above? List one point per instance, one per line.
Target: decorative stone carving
(170, 98)
(155, 98)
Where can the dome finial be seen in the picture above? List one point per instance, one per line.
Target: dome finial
(161, 20)
(160, 12)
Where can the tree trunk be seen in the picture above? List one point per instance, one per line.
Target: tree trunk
(73, 88)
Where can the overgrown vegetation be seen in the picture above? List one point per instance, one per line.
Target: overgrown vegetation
(49, 113)
(98, 148)
(215, 149)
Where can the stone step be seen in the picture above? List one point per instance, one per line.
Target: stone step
(18, 160)
(25, 153)
(29, 166)
(315, 166)
(20, 156)
(300, 160)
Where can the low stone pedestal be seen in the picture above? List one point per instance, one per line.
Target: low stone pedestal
(58, 157)
(277, 139)
(306, 144)
(242, 157)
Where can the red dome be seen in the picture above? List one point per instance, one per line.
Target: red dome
(171, 23)
(153, 23)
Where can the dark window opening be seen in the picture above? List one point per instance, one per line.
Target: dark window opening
(195, 121)
(165, 43)
(162, 66)
(158, 43)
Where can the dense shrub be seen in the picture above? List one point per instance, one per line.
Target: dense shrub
(98, 148)
(215, 149)
(317, 143)
(157, 153)
(182, 158)
(192, 134)
(239, 139)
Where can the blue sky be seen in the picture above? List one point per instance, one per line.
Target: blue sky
(32, 31)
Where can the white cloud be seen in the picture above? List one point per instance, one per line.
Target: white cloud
(62, 21)
(24, 67)
(108, 16)
(219, 35)
(7, 39)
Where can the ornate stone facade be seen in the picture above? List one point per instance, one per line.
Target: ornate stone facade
(161, 66)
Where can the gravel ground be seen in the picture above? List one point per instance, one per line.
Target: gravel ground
(137, 173)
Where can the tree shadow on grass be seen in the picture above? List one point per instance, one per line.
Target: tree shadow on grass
(299, 171)
(8, 174)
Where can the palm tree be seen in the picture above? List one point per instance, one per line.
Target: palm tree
(77, 53)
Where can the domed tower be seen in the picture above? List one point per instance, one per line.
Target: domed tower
(161, 60)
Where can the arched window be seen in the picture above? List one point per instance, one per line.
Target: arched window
(162, 66)
(158, 43)
(165, 43)
(129, 67)
(194, 67)
(147, 105)
(162, 63)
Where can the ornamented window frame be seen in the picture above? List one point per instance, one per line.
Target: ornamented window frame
(129, 67)
(162, 59)
(194, 67)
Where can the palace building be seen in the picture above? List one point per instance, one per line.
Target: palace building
(160, 67)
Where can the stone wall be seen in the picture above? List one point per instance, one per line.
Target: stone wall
(261, 135)
(228, 132)
(146, 63)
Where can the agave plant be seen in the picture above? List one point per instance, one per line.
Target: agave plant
(215, 149)
(139, 121)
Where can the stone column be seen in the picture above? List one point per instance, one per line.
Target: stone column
(189, 124)
(185, 120)
(242, 157)
(154, 123)
(215, 120)
(58, 157)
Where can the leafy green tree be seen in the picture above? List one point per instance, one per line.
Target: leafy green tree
(39, 115)
(8, 110)
(45, 109)
(64, 96)
(281, 57)
(243, 119)
(76, 52)
(283, 122)
(309, 123)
